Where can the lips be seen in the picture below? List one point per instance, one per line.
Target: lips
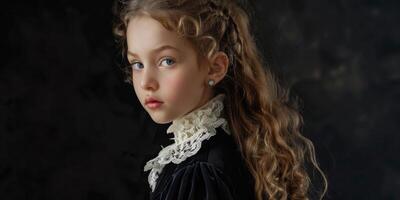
(153, 103)
(152, 100)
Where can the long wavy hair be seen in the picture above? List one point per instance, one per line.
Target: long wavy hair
(264, 122)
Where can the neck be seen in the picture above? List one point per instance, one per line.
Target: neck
(199, 120)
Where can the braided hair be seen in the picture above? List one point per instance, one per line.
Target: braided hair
(265, 125)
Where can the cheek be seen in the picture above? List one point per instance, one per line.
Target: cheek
(137, 90)
(136, 87)
(176, 86)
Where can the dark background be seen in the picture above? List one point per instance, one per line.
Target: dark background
(70, 128)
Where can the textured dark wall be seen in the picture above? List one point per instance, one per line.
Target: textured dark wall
(70, 128)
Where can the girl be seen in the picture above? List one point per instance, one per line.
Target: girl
(194, 63)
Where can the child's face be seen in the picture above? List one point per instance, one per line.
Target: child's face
(170, 75)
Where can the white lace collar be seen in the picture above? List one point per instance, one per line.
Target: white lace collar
(189, 132)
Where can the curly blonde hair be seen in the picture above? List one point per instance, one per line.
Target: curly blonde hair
(266, 127)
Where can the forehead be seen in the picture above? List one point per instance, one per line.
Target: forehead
(145, 33)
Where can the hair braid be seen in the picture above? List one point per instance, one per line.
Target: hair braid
(265, 125)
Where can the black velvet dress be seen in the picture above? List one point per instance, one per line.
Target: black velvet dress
(216, 171)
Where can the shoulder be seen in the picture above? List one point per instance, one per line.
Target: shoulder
(219, 150)
(197, 180)
(216, 171)
(219, 158)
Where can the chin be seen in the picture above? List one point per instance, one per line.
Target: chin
(159, 120)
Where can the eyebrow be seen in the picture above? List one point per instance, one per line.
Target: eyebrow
(158, 49)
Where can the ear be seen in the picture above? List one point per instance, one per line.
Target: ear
(218, 66)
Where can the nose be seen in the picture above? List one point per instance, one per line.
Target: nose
(149, 80)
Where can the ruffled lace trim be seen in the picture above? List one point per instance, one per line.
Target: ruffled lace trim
(189, 132)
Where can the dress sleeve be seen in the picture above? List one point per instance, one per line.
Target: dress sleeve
(198, 181)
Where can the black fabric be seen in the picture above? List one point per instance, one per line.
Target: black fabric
(217, 171)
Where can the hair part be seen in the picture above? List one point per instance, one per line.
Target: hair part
(265, 124)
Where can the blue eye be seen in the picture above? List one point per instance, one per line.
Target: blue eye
(168, 61)
(135, 65)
